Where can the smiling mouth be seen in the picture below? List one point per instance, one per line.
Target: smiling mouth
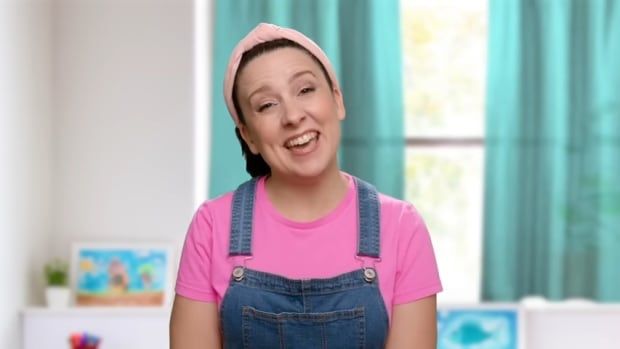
(302, 141)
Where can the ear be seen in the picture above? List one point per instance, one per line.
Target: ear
(246, 134)
(342, 112)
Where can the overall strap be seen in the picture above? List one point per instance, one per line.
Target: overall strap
(241, 219)
(368, 219)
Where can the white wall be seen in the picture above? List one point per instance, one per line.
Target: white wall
(96, 132)
(25, 153)
(123, 123)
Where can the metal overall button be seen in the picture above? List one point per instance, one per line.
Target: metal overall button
(238, 273)
(370, 274)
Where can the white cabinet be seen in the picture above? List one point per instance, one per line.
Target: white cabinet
(574, 327)
(119, 328)
(550, 326)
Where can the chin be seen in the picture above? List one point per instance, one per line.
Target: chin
(312, 170)
(308, 168)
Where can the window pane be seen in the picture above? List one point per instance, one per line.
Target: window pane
(444, 62)
(445, 185)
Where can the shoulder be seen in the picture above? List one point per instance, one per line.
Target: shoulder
(220, 207)
(215, 206)
(213, 212)
(397, 210)
(219, 203)
(224, 201)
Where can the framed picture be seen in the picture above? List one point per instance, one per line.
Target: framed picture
(480, 326)
(121, 274)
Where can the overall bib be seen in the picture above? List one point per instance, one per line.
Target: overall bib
(263, 310)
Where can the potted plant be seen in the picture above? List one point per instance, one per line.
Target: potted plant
(57, 292)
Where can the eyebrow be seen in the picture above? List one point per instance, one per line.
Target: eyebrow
(295, 76)
(300, 73)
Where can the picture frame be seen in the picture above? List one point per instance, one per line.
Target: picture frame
(481, 326)
(122, 274)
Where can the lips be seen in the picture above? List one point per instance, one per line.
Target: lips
(301, 139)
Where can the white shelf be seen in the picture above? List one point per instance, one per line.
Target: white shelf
(119, 327)
(546, 306)
(97, 311)
(574, 308)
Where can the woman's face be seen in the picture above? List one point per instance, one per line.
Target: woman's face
(292, 116)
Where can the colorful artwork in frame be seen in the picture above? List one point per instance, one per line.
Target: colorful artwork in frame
(483, 326)
(121, 274)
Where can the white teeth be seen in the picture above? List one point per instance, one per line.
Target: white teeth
(303, 139)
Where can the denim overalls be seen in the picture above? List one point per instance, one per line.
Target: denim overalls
(262, 310)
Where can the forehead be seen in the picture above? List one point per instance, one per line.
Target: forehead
(275, 66)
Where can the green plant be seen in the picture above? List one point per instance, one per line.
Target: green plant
(56, 272)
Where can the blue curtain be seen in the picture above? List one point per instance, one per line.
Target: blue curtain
(552, 195)
(362, 40)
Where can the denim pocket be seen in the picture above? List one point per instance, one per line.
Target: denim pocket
(340, 329)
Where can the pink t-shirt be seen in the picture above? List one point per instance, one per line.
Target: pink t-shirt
(319, 249)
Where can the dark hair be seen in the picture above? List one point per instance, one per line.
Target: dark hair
(255, 165)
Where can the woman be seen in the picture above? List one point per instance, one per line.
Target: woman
(303, 255)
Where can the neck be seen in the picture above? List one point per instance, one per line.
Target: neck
(306, 199)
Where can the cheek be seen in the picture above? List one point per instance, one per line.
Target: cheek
(251, 138)
(329, 109)
(265, 136)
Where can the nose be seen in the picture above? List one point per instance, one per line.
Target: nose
(293, 113)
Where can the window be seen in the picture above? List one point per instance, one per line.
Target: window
(444, 45)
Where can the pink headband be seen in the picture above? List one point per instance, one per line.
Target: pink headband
(262, 33)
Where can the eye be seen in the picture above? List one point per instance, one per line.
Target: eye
(265, 106)
(306, 90)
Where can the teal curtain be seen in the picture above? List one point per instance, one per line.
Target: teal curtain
(552, 194)
(362, 40)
